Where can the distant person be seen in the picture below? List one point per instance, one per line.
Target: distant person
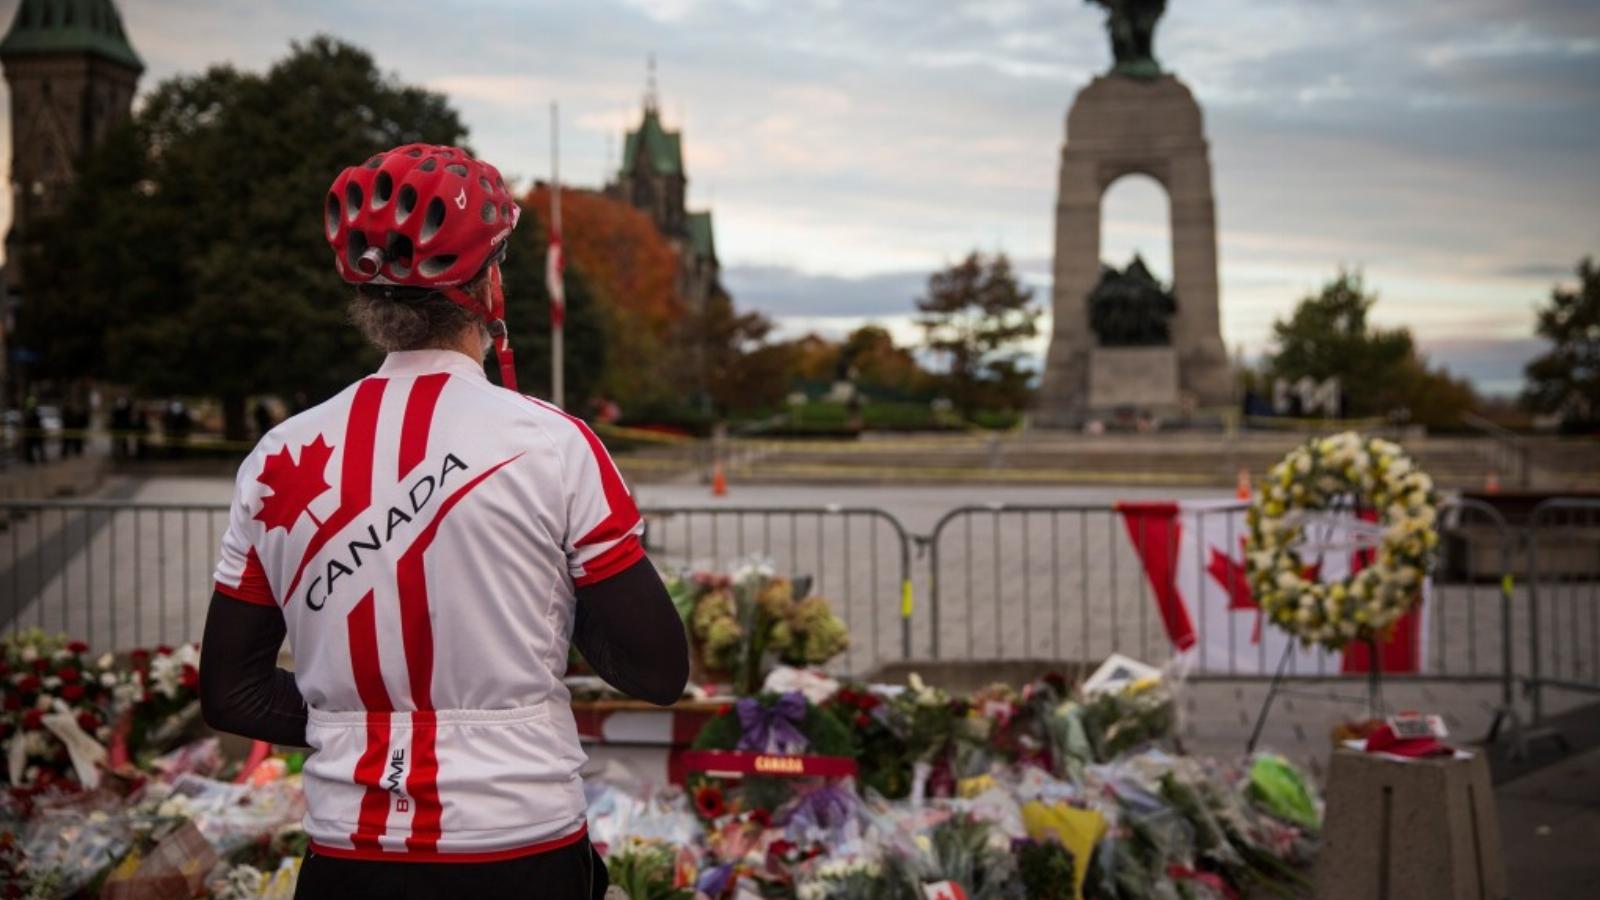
(74, 425)
(263, 417)
(122, 428)
(33, 449)
(433, 545)
(176, 424)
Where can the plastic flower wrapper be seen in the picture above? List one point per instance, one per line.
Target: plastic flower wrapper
(828, 814)
(1280, 788)
(70, 850)
(964, 849)
(615, 815)
(1117, 722)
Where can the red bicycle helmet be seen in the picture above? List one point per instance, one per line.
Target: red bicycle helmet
(424, 216)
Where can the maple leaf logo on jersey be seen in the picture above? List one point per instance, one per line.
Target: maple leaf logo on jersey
(294, 485)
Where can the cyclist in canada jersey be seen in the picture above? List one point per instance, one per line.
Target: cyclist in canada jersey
(431, 544)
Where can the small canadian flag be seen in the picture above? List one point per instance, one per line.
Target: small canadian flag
(943, 890)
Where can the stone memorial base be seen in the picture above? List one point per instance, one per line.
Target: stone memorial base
(1142, 378)
(1413, 830)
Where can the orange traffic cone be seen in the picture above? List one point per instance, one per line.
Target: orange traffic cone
(1241, 488)
(719, 481)
(1491, 483)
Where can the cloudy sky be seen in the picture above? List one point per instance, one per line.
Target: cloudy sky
(1449, 149)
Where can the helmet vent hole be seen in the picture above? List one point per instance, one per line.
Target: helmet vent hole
(489, 213)
(375, 162)
(414, 153)
(432, 220)
(436, 265)
(484, 183)
(354, 248)
(399, 253)
(405, 204)
(352, 200)
(382, 190)
(456, 169)
(429, 164)
(332, 218)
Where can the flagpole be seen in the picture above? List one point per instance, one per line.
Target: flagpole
(557, 324)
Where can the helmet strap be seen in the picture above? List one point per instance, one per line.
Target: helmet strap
(495, 318)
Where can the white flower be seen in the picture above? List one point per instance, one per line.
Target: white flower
(106, 662)
(29, 653)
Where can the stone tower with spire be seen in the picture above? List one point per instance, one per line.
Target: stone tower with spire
(71, 74)
(654, 181)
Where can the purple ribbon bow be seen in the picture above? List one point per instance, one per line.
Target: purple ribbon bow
(772, 729)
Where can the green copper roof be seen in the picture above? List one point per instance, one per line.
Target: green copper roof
(663, 148)
(69, 26)
(700, 235)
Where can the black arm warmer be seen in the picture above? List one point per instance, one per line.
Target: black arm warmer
(242, 690)
(629, 631)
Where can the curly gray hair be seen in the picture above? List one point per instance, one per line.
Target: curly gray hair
(394, 319)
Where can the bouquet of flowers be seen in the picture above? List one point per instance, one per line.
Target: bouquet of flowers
(649, 870)
(739, 624)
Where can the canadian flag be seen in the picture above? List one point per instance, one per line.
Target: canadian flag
(555, 264)
(1193, 557)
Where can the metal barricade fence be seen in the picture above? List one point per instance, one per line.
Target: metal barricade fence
(1071, 582)
(1563, 553)
(120, 575)
(116, 575)
(1003, 582)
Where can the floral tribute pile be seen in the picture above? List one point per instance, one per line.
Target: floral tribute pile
(112, 791)
(1006, 794)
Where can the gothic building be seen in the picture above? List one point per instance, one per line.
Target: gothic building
(71, 74)
(653, 180)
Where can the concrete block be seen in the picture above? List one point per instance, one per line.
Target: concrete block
(1419, 830)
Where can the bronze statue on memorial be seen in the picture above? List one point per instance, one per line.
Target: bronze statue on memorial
(1130, 308)
(1132, 27)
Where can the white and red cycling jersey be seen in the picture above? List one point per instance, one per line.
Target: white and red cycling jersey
(423, 533)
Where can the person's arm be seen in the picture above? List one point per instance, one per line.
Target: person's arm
(629, 631)
(242, 690)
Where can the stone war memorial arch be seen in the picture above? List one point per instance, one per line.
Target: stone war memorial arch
(1164, 360)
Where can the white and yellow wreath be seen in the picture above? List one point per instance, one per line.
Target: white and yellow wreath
(1341, 475)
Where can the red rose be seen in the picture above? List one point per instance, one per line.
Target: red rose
(40, 664)
(78, 647)
(69, 674)
(780, 848)
(164, 650)
(72, 693)
(12, 703)
(29, 684)
(139, 656)
(724, 709)
(846, 696)
(5, 667)
(708, 801)
(871, 701)
(32, 720)
(863, 720)
(761, 817)
(190, 677)
(88, 721)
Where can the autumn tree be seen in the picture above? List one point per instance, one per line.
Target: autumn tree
(631, 273)
(1566, 380)
(190, 257)
(974, 315)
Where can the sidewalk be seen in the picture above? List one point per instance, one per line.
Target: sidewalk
(1550, 829)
